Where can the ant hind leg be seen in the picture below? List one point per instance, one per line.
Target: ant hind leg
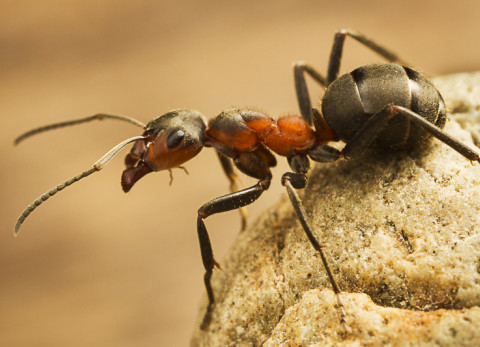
(369, 131)
(337, 50)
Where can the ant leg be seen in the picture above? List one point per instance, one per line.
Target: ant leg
(435, 131)
(367, 134)
(234, 180)
(224, 203)
(293, 181)
(337, 49)
(303, 98)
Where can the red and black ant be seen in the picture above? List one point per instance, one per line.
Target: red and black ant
(386, 104)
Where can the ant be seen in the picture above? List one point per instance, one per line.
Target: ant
(389, 105)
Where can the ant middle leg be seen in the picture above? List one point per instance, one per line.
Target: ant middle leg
(337, 50)
(298, 180)
(301, 68)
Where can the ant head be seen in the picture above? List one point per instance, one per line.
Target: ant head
(173, 139)
(170, 140)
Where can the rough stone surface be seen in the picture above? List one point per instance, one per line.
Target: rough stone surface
(401, 232)
(462, 94)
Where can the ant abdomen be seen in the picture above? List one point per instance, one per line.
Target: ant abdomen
(354, 97)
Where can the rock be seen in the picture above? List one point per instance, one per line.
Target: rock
(401, 233)
(462, 93)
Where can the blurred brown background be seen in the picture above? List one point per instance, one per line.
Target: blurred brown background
(95, 266)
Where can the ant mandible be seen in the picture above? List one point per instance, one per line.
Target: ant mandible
(385, 104)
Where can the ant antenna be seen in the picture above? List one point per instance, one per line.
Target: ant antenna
(97, 166)
(99, 116)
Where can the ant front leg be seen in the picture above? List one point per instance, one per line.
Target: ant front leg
(252, 164)
(298, 180)
(337, 50)
(234, 183)
(224, 203)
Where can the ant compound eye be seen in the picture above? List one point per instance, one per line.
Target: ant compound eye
(175, 138)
